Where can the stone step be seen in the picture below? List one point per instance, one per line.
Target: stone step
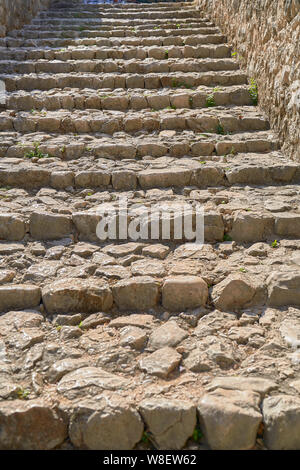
(214, 121)
(127, 7)
(122, 146)
(164, 329)
(162, 172)
(89, 99)
(123, 53)
(243, 215)
(90, 23)
(147, 15)
(70, 34)
(99, 81)
(120, 67)
(162, 39)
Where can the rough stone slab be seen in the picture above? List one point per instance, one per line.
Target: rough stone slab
(139, 293)
(32, 425)
(230, 419)
(170, 422)
(234, 292)
(74, 295)
(89, 380)
(284, 288)
(282, 422)
(169, 334)
(105, 425)
(19, 296)
(12, 227)
(45, 226)
(253, 384)
(161, 363)
(184, 292)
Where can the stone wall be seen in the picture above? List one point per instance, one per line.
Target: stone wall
(266, 36)
(15, 13)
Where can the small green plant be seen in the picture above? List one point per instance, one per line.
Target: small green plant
(166, 54)
(210, 101)
(80, 325)
(227, 238)
(253, 91)
(36, 153)
(243, 270)
(274, 244)
(145, 437)
(23, 394)
(233, 54)
(197, 434)
(220, 129)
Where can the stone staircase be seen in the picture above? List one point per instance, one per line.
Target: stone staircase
(150, 342)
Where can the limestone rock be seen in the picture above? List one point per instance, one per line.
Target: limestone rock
(161, 362)
(253, 384)
(74, 295)
(284, 288)
(44, 226)
(136, 320)
(169, 334)
(156, 251)
(170, 422)
(184, 292)
(89, 380)
(105, 425)
(139, 293)
(230, 419)
(12, 227)
(19, 296)
(31, 425)
(134, 337)
(282, 422)
(233, 293)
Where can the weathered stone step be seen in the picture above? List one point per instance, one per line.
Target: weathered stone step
(154, 40)
(124, 53)
(98, 81)
(215, 121)
(163, 172)
(107, 66)
(250, 216)
(70, 34)
(77, 9)
(78, 24)
(89, 99)
(70, 146)
(177, 13)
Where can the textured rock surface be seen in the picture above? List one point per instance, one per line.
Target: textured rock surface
(31, 426)
(282, 422)
(230, 419)
(121, 338)
(14, 14)
(105, 425)
(265, 36)
(170, 422)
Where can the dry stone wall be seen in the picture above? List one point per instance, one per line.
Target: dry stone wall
(266, 36)
(15, 13)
